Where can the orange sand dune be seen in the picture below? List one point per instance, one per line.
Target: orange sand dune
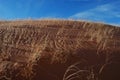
(46, 49)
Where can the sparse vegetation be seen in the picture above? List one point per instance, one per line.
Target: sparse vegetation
(24, 43)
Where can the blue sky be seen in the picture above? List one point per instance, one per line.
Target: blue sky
(107, 11)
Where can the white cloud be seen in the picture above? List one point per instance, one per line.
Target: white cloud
(103, 13)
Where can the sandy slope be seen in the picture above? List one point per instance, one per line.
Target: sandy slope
(44, 49)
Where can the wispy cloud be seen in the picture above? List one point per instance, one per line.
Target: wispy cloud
(105, 13)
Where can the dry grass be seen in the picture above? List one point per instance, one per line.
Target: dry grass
(75, 73)
(22, 43)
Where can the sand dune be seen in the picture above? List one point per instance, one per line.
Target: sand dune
(46, 50)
